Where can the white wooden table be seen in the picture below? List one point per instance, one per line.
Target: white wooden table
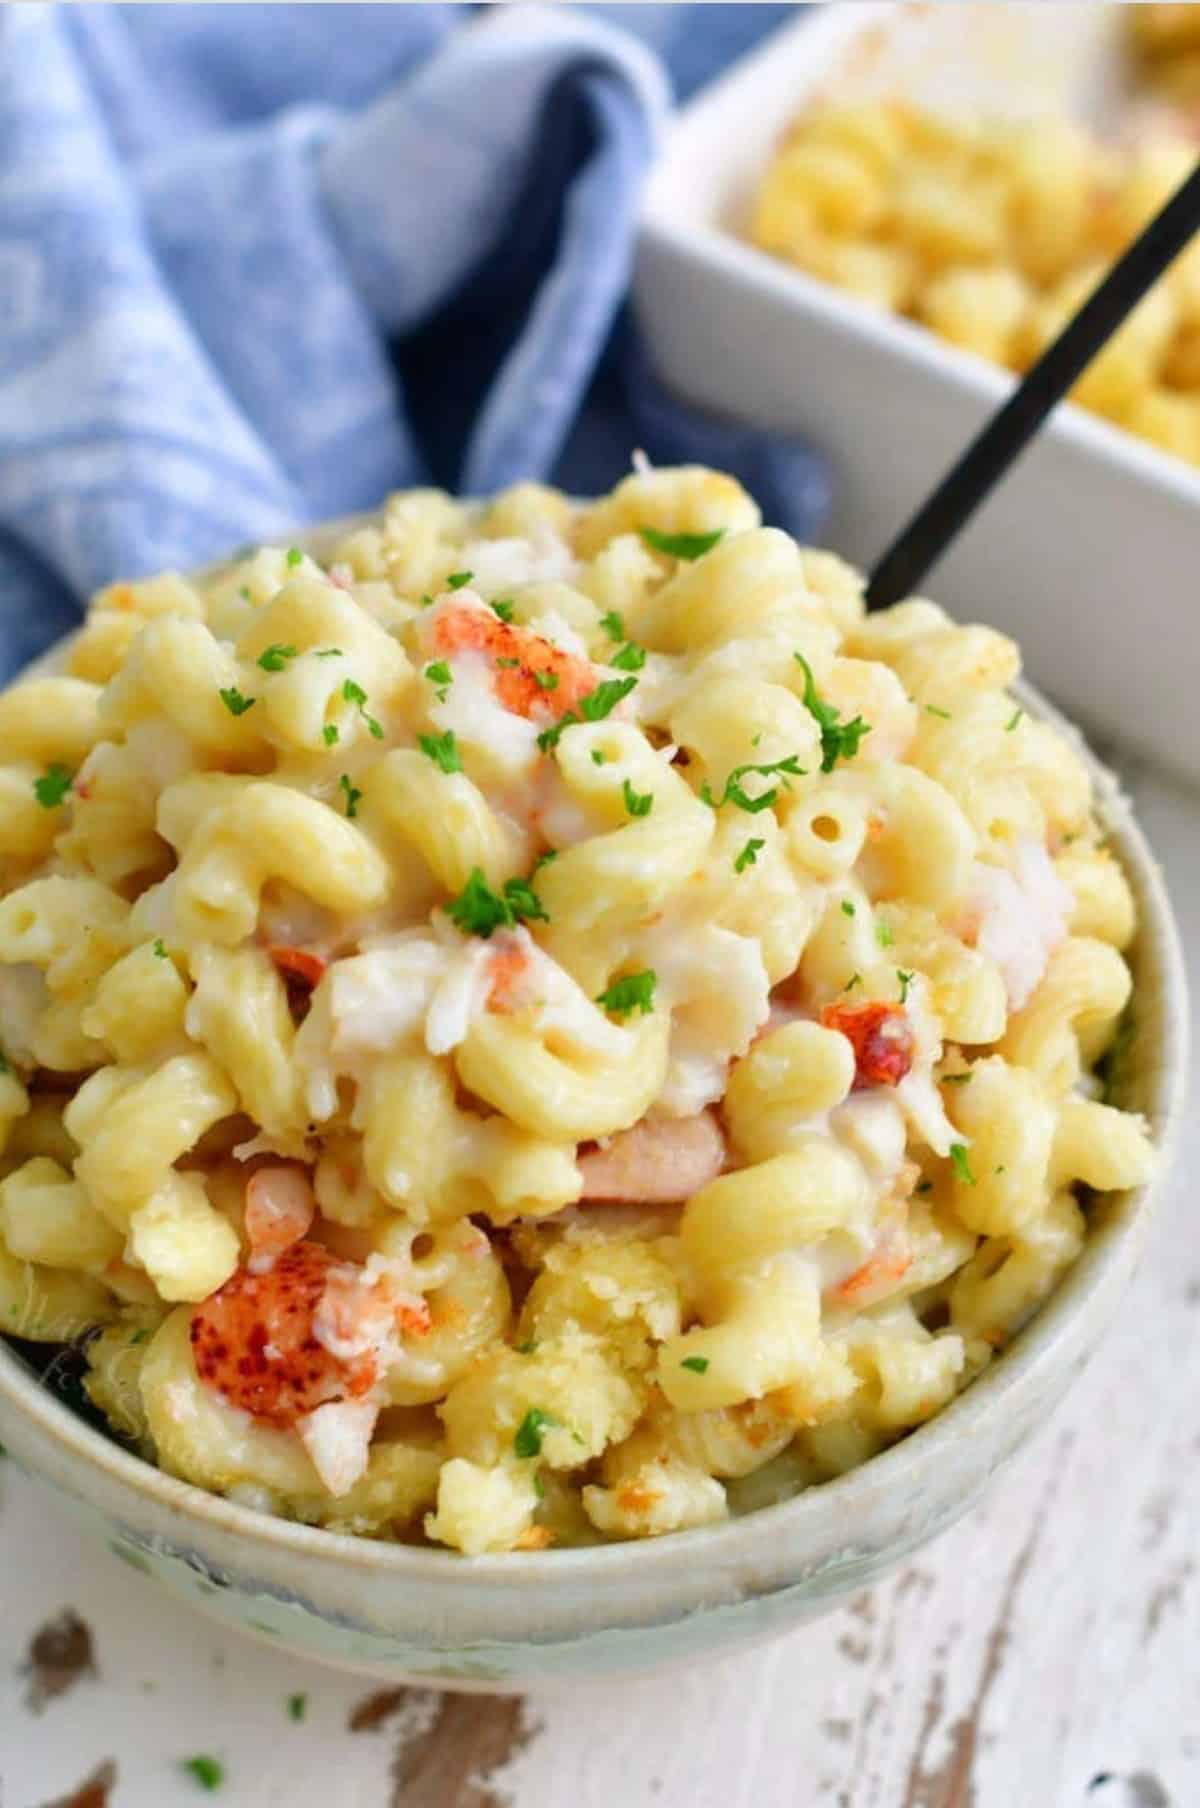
(1042, 1655)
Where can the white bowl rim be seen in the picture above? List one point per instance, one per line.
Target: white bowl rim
(1015, 1370)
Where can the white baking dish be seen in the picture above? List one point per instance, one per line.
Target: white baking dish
(1089, 552)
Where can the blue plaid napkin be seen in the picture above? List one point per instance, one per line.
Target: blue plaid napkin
(261, 264)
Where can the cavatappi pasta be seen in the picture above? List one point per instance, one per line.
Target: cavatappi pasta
(551, 1027)
(992, 234)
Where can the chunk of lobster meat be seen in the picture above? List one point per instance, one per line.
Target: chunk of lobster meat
(280, 1208)
(659, 1161)
(883, 1270)
(881, 1036)
(300, 966)
(531, 677)
(337, 1438)
(255, 1341)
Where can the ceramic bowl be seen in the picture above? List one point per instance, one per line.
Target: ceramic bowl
(513, 1621)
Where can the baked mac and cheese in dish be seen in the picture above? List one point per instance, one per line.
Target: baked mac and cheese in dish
(553, 1026)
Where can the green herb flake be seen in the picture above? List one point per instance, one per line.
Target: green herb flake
(244, 593)
(539, 1487)
(599, 757)
(545, 859)
(530, 1432)
(748, 855)
(329, 734)
(439, 673)
(207, 1771)
(635, 992)
(330, 653)
(962, 1167)
(593, 708)
(1013, 720)
(297, 1706)
(354, 693)
(142, 1336)
(631, 658)
(160, 948)
(52, 787)
(478, 910)
(839, 740)
(546, 681)
(458, 579)
(235, 703)
(883, 934)
(442, 750)
(931, 709)
(906, 980)
(505, 664)
(5, 1066)
(294, 556)
(275, 658)
(697, 1364)
(847, 908)
(855, 979)
(528, 1347)
(681, 546)
(613, 626)
(638, 803)
(351, 793)
(960, 1079)
(503, 607)
(736, 793)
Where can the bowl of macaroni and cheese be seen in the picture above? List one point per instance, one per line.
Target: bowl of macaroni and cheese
(567, 1094)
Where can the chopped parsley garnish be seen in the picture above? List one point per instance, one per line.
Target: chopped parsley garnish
(439, 673)
(4, 1065)
(457, 579)
(681, 546)
(962, 1167)
(931, 709)
(354, 693)
(855, 979)
(546, 681)
(329, 734)
(244, 592)
(531, 1431)
(505, 663)
(847, 908)
(545, 859)
(633, 993)
(906, 980)
(235, 703)
(528, 1347)
(697, 1364)
(297, 1707)
(1012, 722)
(478, 910)
(599, 757)
(142, 1336)
(638, 803)
(961, 1079)
(883, 935)
(593, 708)
(160, 948)
(839, 740)
(295, 556)
(426, 601)
(442, 750)
(207, 1771)
(275, 658)
(748, 855)
(631, 658)
(330, 653)
(735, 792)
(51, 789)
(503, 608)
(613, 626)
(351, 794)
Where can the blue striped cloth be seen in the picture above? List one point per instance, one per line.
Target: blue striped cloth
(261, 264)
